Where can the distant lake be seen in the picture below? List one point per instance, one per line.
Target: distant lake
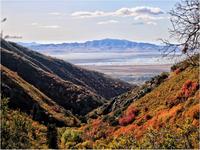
(133, 67)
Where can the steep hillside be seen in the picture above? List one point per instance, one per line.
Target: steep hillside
(75, 89)
(26, 97)
(94, 81)
(118, 104)
(72, 97)
(165, 116)
(174, 101)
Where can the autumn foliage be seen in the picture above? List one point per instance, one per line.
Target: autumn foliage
(128, 117)
(97, 129)
(189, 87)
(177, 71)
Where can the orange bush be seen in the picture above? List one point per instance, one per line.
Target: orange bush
(194, 112)
(97, 129)
(126, 130)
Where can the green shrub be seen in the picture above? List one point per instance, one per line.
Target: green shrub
(71, 136)
(85, 145)
(185, 137)
(163, 139)
(124, 142)
(14, 128)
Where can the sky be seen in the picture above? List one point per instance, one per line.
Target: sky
(57, 21)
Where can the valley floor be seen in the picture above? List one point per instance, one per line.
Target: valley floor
(135, 74)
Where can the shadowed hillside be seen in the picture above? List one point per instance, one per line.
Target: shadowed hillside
(25, 96)
(94, 81)
(73, 88)
(65, 93)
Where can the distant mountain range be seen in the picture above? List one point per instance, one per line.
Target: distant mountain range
(95, 45)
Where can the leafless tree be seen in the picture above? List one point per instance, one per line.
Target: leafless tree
(3, 20)
(7, 36)
(185, 20)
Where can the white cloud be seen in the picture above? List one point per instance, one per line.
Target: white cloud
(108, 22)
(135, 11)
(50, 26)
(138, 11)
(87, 14)
(35, 24)
(147, 18)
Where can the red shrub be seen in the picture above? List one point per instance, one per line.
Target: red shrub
(128, 117)
(177, 71)
(189, 87)
(194, 86)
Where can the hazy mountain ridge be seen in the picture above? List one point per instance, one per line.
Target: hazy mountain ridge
(104, 45)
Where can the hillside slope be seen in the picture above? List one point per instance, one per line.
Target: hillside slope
(73, 88)
(94, 81)
(167, 116)
(173, 102)
(72, 97)
(25, 96)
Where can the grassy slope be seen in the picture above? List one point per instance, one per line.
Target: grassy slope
(168, 104)
(164, 105)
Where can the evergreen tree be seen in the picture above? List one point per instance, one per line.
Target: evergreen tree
(52, 136)
(36, 112)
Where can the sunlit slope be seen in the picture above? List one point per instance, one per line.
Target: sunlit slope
(172, 102)
(168, 110)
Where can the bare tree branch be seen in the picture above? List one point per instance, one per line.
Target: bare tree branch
(185, 20)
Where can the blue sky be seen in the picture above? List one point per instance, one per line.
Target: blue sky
(81, 20)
